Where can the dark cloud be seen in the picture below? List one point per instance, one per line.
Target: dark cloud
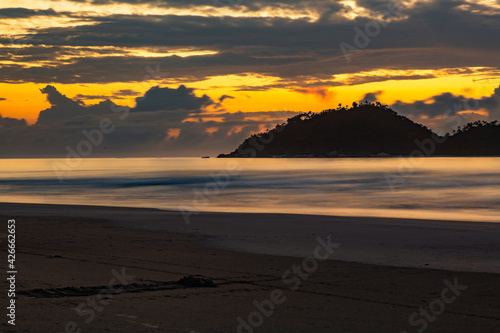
(179, 103)
(3, 99)
(223, 97)
(323, 93)
(11, 122)
(195, 68)
(64, 108)
(372, 96)
(125, 93)
(119, 94)
(61, 106)
(80, 96)
(167, 99)
(25, 13)
(446, 111)
(243, 6)
(375, 5)
(437, 105)
(430, 33)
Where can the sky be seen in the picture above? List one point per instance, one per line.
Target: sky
(190, 78)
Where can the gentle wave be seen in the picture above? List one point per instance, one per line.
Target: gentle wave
(445, 188)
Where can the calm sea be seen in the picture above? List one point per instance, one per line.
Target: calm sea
(436, 188)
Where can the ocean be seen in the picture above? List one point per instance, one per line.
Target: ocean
(445, 188)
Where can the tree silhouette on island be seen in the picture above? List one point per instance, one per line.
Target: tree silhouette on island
(367, 130)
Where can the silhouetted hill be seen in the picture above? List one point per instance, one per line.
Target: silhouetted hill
(474, 139)
(368, 129)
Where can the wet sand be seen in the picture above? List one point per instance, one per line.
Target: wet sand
(102, 269)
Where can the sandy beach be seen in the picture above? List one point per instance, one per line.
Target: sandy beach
(113, 269)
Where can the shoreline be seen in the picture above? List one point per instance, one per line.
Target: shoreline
(68, 254)
(397, 242)
(81, 207)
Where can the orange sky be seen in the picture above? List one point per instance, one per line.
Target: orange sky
(25, 100)
(21, 98)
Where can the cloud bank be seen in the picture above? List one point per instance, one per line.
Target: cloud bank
(425, 35)
(164, 122)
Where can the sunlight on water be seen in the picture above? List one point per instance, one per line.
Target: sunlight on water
(434, 188)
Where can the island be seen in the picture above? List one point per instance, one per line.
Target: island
(367, 130)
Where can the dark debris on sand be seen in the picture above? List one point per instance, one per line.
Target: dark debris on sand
(189, 281)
